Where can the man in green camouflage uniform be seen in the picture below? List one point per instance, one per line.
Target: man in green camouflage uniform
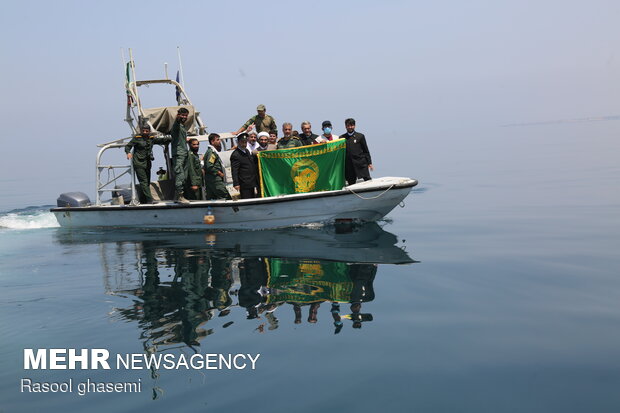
(141, 158)
(195, 179)
(179, 154)
(262, 122)
(288, 141)
(214, 170)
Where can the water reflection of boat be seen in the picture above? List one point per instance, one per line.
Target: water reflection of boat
(179, 281)
(365, 243)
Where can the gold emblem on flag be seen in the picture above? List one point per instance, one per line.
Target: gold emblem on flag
(305, 173)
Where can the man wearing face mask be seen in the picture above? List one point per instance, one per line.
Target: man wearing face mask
(327, 135)
(195, 179)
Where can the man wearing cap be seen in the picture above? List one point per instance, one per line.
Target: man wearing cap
(179, 154)
(141, 158)
(261, 121)
(288, 140)
(215, 175)
(327, 135)
(307, 137)
(195, 178)
(357, 161)
(243, 167)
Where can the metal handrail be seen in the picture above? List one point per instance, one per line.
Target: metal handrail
(98, 168)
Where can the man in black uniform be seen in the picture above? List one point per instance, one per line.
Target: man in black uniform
(141, 158)
(243, 166)
(358, 159)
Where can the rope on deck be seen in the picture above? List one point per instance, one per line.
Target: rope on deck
(372, 197)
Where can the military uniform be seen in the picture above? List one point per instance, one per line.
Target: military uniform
(142, 156)
(292, 142)
(179, 155)
(194, 177)
(266, 124)
(214, 184)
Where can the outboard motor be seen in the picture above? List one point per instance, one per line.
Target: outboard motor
(73, 200)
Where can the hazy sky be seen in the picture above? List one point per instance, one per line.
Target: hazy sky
(426, 76)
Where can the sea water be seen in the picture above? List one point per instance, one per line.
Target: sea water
(495, 288)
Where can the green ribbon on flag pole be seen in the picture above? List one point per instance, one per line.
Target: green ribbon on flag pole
(305, 169)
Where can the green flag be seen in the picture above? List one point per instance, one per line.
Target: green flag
(305, 169)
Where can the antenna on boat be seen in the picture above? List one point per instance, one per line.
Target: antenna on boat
(166, 69)
(180, 67)
(123, 60)
(133, 66)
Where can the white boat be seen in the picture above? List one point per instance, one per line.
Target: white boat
(362, 202)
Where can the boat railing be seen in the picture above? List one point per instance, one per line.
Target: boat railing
(111, 184)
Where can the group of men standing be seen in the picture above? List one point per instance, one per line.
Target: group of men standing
(358, 160)
(257, 134)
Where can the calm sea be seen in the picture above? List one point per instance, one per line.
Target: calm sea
(495, 289)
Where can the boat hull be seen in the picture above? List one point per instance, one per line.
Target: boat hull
(363, 202)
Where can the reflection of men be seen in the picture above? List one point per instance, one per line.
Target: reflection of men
(327, 135)
(244, 173)
(195, 179)
(215, 175)
(141, 159)
(358, 157)
(253, 276)
(288, 141)
(221, 282)
(261, 121)
(307, 137)
(363, 276)
(179, 153)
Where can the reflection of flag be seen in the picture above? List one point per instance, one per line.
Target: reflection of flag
(308, 281)
(178, 91)
(306, 169)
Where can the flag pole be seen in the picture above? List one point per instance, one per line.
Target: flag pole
(180, 67)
